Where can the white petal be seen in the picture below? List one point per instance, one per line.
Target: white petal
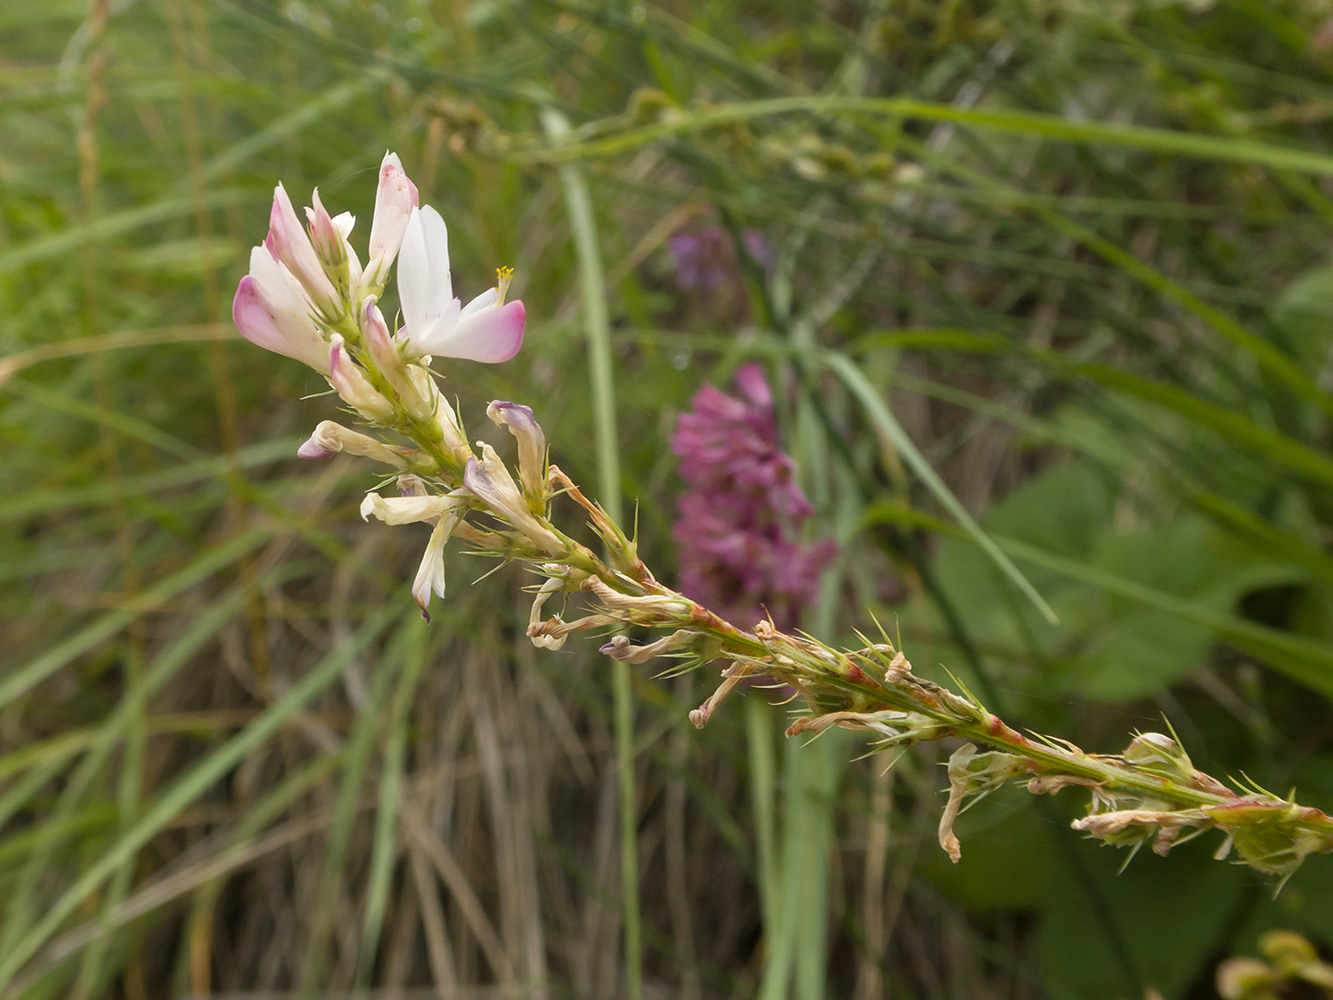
(344, 223)
(277, 283)
(436, 235)
(407, 510)
(483, 300)
(430, 576)
(414, 277)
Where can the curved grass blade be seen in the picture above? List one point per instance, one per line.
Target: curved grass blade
(1012, 121)
(888, 425)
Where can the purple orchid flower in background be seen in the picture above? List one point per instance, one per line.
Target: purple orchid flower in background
(740, 520)
(705, 258)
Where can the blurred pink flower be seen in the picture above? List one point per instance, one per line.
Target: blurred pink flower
(705, 258)
(740, 520)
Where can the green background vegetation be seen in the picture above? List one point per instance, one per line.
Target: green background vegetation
(1080, 249)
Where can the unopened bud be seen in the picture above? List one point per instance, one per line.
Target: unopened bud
(395, 198)
(329, 438)
(353, 386)
(289, 242)
(329, 245)
(384, 354)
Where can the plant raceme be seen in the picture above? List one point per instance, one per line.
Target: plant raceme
(308, 297)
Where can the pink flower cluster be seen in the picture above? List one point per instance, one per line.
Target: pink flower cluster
(740, 520)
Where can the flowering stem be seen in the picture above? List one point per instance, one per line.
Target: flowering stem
(1150, 793)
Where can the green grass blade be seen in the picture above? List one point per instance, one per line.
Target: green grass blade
(189, 787)
(382, 850)
(212, 560)
(883, 419)
(1016, 122)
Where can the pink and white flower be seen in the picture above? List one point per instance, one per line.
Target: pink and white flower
(271, 310)
(487, 329)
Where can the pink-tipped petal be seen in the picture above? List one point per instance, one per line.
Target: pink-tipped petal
(316, 447)
(395, 198)
(327, 241)
(268, 324)
(295, 250)
(489, 336)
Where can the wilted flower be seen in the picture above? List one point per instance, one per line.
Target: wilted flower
(490, 482)
(444, 512)
(740, 520)
(531, 447)
(435, 323)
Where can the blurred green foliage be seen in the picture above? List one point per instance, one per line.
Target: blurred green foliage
(1079, 249)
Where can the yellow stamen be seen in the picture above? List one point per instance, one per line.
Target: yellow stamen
(503, 276)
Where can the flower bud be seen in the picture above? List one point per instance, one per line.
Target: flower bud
(384, 353)
(346, 377)
(329, 438)
(328, 242)
(293, 247)
(395, 198)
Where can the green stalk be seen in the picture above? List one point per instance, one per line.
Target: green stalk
(593, 289)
